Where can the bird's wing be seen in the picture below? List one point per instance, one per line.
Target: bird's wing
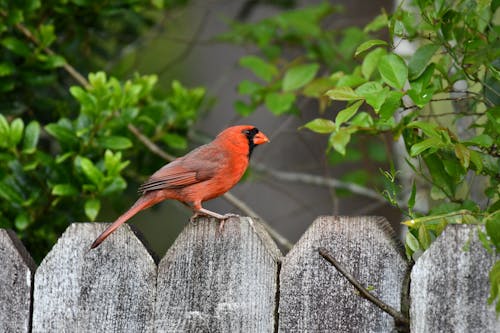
(199, 165)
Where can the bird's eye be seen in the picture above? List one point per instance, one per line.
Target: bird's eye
(246, 132)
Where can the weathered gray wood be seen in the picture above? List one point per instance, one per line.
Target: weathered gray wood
(314, 297)
(218, 282)
(449, 285)
(16, 281)
(108, 289)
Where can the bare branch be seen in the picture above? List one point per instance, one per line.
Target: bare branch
(318, 181)
(153, 147)
(69, 69)
(402, 322)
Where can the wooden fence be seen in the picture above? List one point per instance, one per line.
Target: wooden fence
(238, 281)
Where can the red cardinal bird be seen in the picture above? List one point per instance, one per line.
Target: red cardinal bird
(202, 174)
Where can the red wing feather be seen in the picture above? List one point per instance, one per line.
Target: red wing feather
(199, 165)
(169, 182)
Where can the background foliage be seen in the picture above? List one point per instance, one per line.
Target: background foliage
(69, 141)
(442, 100)
(65, 148)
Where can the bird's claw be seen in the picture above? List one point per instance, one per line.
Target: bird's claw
(229, 215)
(223, 220)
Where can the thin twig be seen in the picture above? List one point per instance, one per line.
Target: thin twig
(250, 212)
(70, 69)
(153, 147)
(319, 181)
(402, 322)
(189, 46)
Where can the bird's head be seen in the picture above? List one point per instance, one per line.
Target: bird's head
(246, 137)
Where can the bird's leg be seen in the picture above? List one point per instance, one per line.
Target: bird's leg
(202, 211)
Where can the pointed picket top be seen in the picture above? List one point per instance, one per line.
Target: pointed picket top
(213, 281)
(315, 297)
(16, 281)
(450, 285)
(108, 289)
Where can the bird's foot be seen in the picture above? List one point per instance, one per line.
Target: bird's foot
(223, 220)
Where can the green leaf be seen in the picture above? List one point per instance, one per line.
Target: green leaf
(46, 34)
(317, 87)
(16, 131)
(420, 59)
(113, 163)
(374, 94)
(339, 140)
(247, 87)
(418, 148)
(91, 171)
(4, 132)
(16, 46)
(422, 97)
(393, 70)
(429, 129)
(463, 154)
(346, 114)
(279, 103)
(31, 135)
(64, 190)
(319, 125)
(115, 142)
(298, 76)
(62, 134)
(368, 45)
(22, 221)
(424, 237)
(175, 141)
(444, 185)
(412, 242)
(371, 61)
(52, 61)
(494, 277)
(362, 119)
(411, 200)
(342, 94)
(92, 207)
(482, 140)
(379, 22)
(475, 158)
(116, 186)
(350, 80)
(259, 67)
(10, 193)
(391, 104)
(6, 68)
(493, 228)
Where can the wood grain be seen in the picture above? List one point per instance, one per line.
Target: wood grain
(212, 281)
(450, 286)
(16, 281)
(315, 297)
(108, 289)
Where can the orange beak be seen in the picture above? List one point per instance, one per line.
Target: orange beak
(260, 138)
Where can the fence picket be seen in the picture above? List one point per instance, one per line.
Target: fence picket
(449, 285)
(314, 297)
(108, 289)
(16, 280)
(218, 282)
(237, 281)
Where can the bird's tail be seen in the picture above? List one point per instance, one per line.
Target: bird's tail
(142, 203)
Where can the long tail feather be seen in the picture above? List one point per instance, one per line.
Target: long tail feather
(142, 203)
